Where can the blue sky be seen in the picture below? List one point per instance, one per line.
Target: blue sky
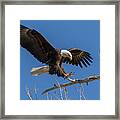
(64, 34)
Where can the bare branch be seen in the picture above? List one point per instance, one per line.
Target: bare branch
(77, 81)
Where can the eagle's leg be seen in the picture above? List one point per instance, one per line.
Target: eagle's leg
(63, 73)
(56, 69)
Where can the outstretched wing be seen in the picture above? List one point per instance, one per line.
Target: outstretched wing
(79, 57)
(36, 44)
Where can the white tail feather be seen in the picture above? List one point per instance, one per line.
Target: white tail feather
(39, 70)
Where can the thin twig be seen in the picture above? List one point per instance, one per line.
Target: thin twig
(86, 80)
(55, 96)
(58, 84)
(65, 93)
(35, 90)
(28, 93)
(47, 96)
(82, 92)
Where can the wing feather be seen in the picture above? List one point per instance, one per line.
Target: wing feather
(79, 57)
(83, 62)
(80, 64)
(86, 61)
(36, 44)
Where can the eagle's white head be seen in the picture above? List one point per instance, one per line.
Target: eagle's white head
(66, 53)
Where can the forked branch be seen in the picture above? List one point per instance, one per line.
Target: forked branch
(77, 81)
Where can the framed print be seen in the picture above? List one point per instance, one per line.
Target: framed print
(60, 59)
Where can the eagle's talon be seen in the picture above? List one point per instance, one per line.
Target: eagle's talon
(68, 74)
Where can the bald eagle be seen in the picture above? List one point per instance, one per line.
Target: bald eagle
(43, 51)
